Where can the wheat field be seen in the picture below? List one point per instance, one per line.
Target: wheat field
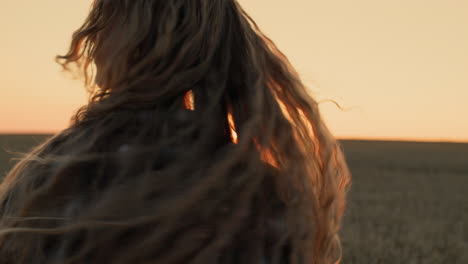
(408, 202)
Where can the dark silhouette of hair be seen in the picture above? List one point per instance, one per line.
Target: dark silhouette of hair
(199, 144)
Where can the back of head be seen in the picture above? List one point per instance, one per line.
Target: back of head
(199, 144)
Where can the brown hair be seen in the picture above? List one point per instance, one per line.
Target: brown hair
(199, 144)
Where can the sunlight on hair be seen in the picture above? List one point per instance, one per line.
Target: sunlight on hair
(232, 127)
(189, 101)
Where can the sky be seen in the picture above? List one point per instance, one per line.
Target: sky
(398, 69)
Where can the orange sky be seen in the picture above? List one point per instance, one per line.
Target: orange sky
(400, 67)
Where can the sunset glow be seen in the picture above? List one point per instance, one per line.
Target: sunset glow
(398, 69)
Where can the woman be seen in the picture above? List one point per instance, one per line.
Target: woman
(199, 144)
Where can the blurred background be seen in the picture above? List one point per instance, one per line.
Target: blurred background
(398, 69)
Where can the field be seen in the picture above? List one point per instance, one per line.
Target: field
(408, 202)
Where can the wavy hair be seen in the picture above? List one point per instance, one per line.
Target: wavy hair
(199, 144)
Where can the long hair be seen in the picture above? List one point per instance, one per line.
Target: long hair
(199, 144)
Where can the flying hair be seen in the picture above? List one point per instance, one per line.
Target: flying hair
(199, 144)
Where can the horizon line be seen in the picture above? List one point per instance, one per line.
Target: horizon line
(402, 139)
(339, 138)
